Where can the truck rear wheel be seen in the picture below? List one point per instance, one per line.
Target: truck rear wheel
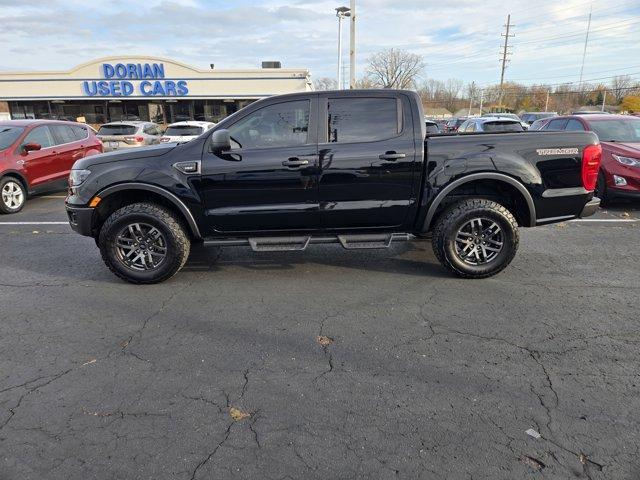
(475, 238)
(143, 243)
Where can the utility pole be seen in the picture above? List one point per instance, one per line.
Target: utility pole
(481, 100)
(586, 41)
(352, 48)
(546, 104)
(604, 99)
(505, 52)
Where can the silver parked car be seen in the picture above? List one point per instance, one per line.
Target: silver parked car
(491, 125)
(119, 135)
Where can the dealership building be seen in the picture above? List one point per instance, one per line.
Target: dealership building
(142, 88)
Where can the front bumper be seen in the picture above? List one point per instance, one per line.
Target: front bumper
(623, 193)
(80, 219)
(590, 208)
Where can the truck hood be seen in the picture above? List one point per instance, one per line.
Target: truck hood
(126, 154)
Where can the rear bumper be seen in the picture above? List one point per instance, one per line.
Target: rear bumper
(80, 219)
(590, 208)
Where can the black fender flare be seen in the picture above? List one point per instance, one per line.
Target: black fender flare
(173, 199)
(481, 176)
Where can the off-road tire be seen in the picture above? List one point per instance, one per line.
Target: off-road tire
(457, 215)
(177, 242)
(5, 208)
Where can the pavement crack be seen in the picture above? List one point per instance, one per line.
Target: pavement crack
(212, 453)
(138, 333)
(325, 350)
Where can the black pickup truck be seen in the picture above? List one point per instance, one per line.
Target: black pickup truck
(348, 167)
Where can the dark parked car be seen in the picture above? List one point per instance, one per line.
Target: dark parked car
(454, 124)
(620, 138)
(352, 167)
(490, 125)
(37, 155)
(530, 117)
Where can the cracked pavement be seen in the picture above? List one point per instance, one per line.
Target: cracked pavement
(426, 376)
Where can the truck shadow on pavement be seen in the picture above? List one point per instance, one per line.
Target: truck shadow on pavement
(413, 258)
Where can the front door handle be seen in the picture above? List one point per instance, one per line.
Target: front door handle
(391, 156)
(295, 162)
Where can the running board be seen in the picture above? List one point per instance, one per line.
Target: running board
(299, 243)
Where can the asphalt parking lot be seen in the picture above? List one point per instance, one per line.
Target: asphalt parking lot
(321, 364)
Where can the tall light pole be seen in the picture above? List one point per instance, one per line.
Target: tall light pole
(352, 47)
(341, 12)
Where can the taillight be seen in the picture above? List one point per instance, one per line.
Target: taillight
(139, 139)
(134, 139)
(591, 157)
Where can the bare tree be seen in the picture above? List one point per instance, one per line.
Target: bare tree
(394, 68)
(325, 83)
(620, 86)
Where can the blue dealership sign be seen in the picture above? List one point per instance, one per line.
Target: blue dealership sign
(137, 79)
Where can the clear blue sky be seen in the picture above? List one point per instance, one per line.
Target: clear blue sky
(456, 39)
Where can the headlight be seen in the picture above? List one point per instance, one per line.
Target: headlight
(628, 161)
(76, 177)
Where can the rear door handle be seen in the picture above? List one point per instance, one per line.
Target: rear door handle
(391, 156)
(295, 162)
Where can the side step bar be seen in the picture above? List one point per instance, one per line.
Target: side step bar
(299, 243)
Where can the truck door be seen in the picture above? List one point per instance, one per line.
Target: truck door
(268, 180)
(367, 160)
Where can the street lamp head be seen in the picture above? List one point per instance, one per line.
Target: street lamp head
(343, 12)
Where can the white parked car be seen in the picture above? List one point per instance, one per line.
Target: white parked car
(181, 132)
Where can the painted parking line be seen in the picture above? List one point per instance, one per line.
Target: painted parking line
(34, 223)
(607, 220)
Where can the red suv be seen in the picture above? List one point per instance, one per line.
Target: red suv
(37, 155)
(620, 138)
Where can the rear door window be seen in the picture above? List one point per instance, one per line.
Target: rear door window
(63, 133)
(363, 119)
(80, 133)
(40, 135)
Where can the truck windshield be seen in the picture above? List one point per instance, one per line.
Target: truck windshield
(8, 135)
(621, 130)
(117, 130)
(183, 131)
(502, 127)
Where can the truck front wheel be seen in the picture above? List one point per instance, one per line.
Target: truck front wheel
(475, 238)
(143, 243)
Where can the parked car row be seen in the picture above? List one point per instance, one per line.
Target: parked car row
(128, 134)
(37, 155)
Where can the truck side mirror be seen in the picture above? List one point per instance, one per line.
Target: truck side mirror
(30, 147)
(220, 141)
